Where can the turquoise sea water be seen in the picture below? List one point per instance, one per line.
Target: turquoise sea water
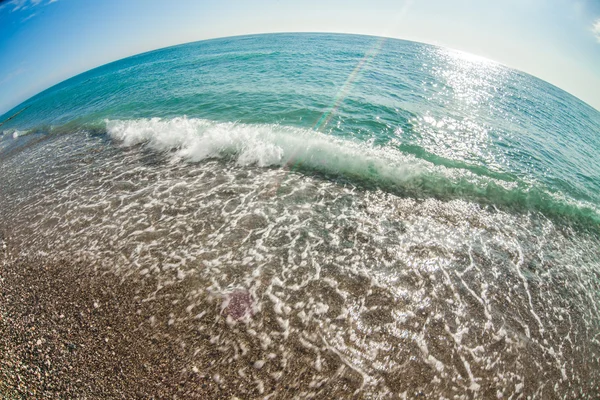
(462, 195)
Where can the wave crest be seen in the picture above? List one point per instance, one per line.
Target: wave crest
(264, 145)
(387, 168)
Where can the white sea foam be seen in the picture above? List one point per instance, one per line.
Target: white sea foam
(265, 145)
(14, 133)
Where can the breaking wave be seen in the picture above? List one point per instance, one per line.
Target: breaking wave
(361, 163)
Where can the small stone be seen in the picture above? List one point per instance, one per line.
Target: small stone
(238, 304)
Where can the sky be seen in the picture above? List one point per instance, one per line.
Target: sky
(43, 42)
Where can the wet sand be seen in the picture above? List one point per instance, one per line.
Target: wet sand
(69, 332)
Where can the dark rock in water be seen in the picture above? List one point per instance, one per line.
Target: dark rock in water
(238, 304)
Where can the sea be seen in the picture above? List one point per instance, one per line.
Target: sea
(398, 219)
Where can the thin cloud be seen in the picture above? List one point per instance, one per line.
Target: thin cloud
(27, 18)
(596, 29)
(16, 4)
(22, 5)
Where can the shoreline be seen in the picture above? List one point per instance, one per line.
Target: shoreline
(71, 329)
(69, 332)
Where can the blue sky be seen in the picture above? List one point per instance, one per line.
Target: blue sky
(43, 42)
